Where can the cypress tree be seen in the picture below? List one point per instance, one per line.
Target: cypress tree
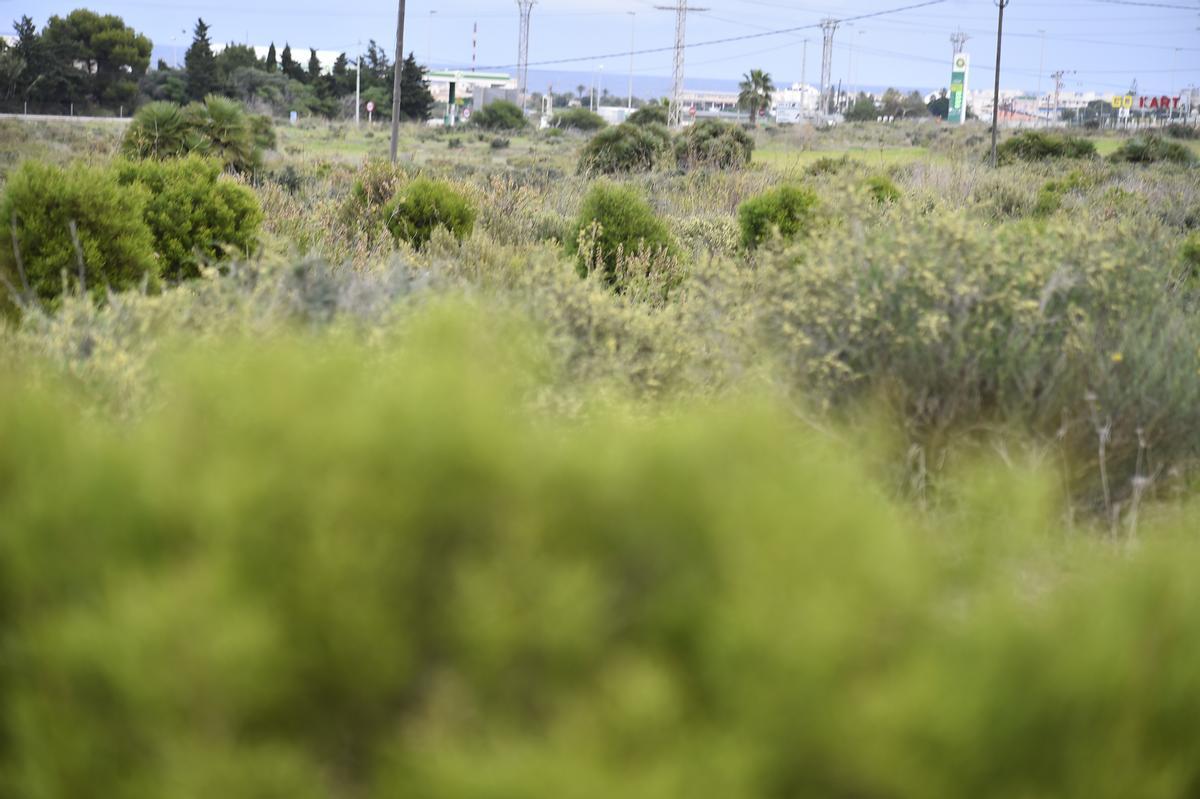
(288, 64)
(314, 66)
(200, 64)
(272, 64)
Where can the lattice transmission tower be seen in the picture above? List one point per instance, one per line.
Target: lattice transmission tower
(959, 40)
(828, 28)
(681, 9)
(526, 7)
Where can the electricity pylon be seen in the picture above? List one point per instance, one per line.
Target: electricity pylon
(681, 9)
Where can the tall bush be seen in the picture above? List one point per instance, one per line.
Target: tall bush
(500, 115)
(114, 242)
(713, 144)
(578, 119)
(614, 225)
(624, 149)
(653, 114)
(788, 211)
(425, 205)
(1153, 149)
(193, 213)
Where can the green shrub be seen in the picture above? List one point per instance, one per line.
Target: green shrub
(882, 189)
(578, 119)
(217, 127)
(1190, 254)
(624, 149)
(1178, 130)
(500, 115)
(193, 213)
(654, 114)
(616, 224)
(1152, 149)
(117, 246)
(788, 212)
(827, 165)
(499, 144)
(425, 205)
(262, 127)
(454, 144)
(318, 572)
(1032, 145)
(713, 144)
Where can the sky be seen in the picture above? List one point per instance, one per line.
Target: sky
(1101, 45)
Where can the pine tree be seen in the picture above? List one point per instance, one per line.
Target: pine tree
(272, 64)
(200, 64)
(416, 101)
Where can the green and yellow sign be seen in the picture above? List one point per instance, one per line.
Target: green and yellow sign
(958, 88)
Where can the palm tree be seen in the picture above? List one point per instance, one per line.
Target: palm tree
(756, 93)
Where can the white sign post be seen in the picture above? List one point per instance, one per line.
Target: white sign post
(370, 111)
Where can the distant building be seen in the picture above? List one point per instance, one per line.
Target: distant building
(795, 103)
(614, 114)
(709, 101)
(468, 84)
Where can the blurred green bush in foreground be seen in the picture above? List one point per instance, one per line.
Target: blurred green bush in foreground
(319, 569)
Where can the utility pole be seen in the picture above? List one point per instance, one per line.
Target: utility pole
(681, 9)
(474, 45)
(526, 7)
(1041, 69)
(804, 65)
(1001, 4)
(828, 28)
(632, 47)
(398, 68)
(358, 87)
(1058, 85)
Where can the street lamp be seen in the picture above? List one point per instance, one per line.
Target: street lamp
(633, 42)
(429, 41)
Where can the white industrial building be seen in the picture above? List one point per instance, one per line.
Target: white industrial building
(795, 104)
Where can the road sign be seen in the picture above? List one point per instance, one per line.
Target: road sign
(371, 107)
(958, 88)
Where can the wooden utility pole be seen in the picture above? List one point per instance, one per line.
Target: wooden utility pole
(996, 91)
(399, 68)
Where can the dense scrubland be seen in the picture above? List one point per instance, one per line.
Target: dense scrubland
(772, 463)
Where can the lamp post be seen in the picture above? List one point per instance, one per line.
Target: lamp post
(632, 47)
(429, 41)
(1041, 69)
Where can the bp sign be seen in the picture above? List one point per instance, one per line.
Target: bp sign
(958, 88)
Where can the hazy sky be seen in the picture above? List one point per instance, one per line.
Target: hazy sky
(1106, 43)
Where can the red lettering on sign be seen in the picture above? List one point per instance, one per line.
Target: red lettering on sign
(1176, 104)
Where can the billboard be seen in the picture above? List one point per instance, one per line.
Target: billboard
(958, 88)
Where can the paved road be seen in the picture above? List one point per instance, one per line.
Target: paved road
(52, 118)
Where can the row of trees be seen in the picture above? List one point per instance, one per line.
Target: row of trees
(757, 89)
(99, 64)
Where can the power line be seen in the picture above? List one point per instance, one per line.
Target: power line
(726, 40)
(1147, 5)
